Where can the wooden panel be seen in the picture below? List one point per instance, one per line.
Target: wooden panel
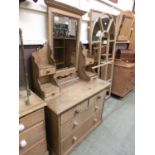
(73, 112)
(73, 140)
(39, 148)
(52, 129)
(32, 119)
(32, 136)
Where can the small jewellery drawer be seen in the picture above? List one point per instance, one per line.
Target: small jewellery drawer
(75, 111)
(39, 148)
(46, 71)
(31, 136)
(97, 99)
(31, 119)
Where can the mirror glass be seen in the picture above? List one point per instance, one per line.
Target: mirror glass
(64, 41)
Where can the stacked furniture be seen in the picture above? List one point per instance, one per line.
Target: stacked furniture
(124, 67)
(75, 106)
(32, 133)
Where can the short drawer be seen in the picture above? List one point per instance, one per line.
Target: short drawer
(31, 136)
(39, 148)
(97, 99)
(31, 119)
(96, 118)
(75, 111)
(71, 141)
(46, 71)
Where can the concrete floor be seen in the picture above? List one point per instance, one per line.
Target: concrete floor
(116, 135)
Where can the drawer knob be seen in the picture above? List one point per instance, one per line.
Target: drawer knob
(95, 120)
(47, 72)
(75, 124)
(23, 143)
(21, 127)
(74, 138)
(96, 108)
(77, 111)
(98, 97)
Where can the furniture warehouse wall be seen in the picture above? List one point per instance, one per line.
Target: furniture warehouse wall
(33, 16)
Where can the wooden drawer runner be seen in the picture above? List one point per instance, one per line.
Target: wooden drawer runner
(71, 141)
(70, 114)
(32, 119)
(74, 124)
(32, 136)
(39, 148)
(97, 99)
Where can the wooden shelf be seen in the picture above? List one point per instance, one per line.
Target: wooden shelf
(59, 63)
(122, 42)
(59, 47)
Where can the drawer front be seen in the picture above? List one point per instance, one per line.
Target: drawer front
(46, 71)
(96, 118)
(39, 148)
(74, 124)
(31, 119)
(75, 111)
(97, 99)
(31, 136)
(71, 141)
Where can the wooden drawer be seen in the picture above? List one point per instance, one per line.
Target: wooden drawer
(31, 119)
(96, 118)
(39, 148)
(31, 136)
(71, 141)
(75, 111)
(47, 71)
(97, 99)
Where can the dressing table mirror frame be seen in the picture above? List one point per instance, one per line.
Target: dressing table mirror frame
(57, 8)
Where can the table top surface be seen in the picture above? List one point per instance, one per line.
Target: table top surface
(35, 103)
(71, 95)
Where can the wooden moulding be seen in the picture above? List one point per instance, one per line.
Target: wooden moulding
(65, 7)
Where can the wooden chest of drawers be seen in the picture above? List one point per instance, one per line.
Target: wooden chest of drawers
(123, 78)
(32, 135)
(74, 114)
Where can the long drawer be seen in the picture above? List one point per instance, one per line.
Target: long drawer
(31, 119)
(31, 136)
(39, 148)
(71, 141)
